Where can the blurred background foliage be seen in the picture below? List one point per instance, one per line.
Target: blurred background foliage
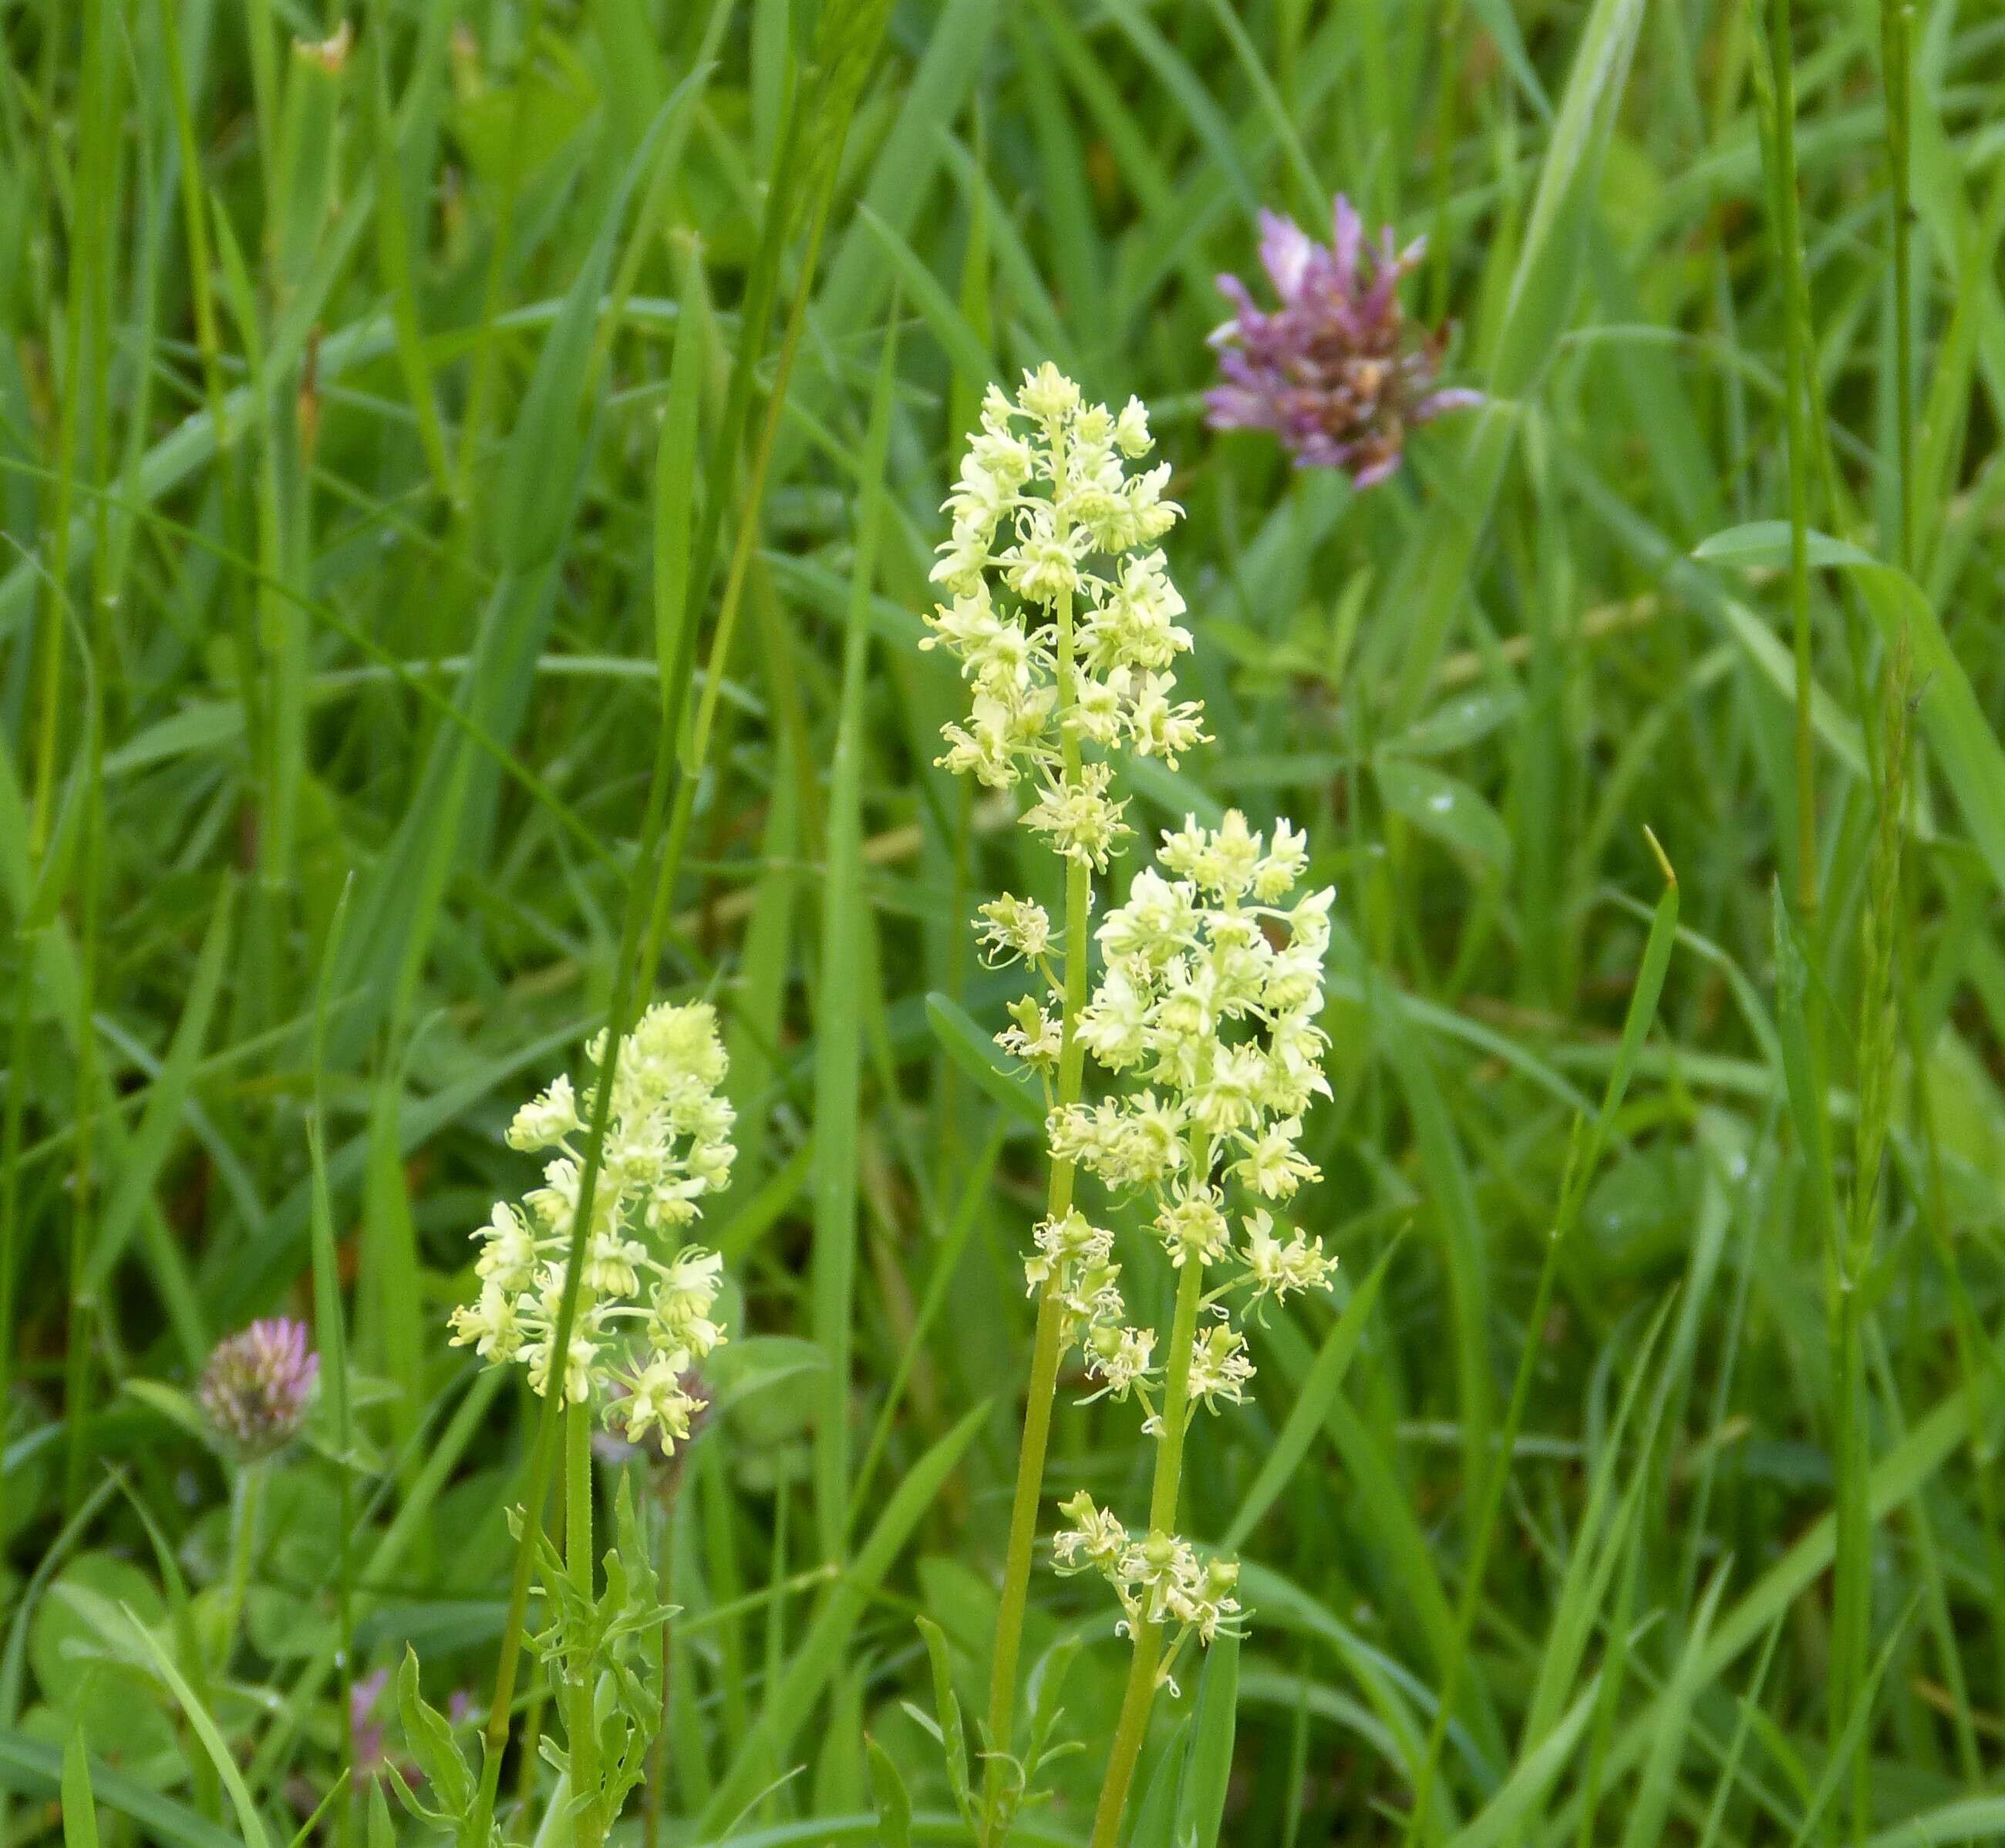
(339, 341)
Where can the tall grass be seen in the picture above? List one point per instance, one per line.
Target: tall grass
(469, 475)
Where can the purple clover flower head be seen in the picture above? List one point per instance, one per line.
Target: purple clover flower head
(1335, 371)
(256, 1386)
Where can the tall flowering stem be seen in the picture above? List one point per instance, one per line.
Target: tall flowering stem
(1063, 618)
(1210, 997)
(1138, 1698)
(1045, 1352)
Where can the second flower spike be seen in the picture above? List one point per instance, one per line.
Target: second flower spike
(644, 1315)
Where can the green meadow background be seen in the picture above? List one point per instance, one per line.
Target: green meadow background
(404, 405)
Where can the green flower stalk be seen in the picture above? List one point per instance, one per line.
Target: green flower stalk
(1208, 1003)
(1064, 619)
(1212, 988)
(644, 1318)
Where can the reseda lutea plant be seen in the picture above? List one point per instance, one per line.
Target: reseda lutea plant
(642, 1319)
(1212, 987)
(1065, 621)
(667, 1144)
(1197, 999)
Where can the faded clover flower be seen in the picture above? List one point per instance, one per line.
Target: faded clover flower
(370, 1750)
(257, 1385)
(367, 1729)
(1334, 371)
(643, 1321)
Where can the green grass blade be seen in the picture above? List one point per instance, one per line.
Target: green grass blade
(80, 1806)
(250, 1824)
(1900, 1473)
(34, 1768)
(1539, 302)
(893, 1804)
(168, 1097)
(1310, 1405)
(964, 348)
(821, 1650)
(1208, 1766)
(1649, 1809)
(838, 1060)
(1519, 1797)
(1960, 739)
(977, 1053)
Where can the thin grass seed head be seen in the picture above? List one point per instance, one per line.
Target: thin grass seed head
(1053, 528)
(644, 1321)
(257, 1386)
(1335, 371)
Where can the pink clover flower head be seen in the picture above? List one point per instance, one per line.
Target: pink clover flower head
(257, 1385)
(1335, 371)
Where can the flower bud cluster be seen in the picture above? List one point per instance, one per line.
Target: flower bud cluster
(1062, 615)
(1158, 1578)
(642, 1323)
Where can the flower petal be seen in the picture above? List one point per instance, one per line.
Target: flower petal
(1285, 250)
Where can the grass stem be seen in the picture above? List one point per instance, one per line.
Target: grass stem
(1796, 336)
(247, 1501)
